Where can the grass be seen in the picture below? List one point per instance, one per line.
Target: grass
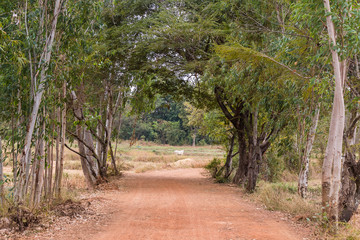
(72, 164)
(283, 197)
(347, 231)
(147, 156)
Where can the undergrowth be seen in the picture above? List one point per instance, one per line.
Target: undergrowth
(283, 197)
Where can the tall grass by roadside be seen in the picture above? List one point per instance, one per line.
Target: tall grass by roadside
(283, 197)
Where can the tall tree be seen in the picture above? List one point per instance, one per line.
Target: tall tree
(331, 176)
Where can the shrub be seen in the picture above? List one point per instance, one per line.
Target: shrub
(215, 167)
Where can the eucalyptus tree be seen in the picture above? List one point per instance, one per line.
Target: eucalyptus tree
(15, 78)
(256, 99)
(44, 59)
(345, 16)
(340, 40)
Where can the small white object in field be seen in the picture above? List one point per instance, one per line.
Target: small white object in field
(179, 152)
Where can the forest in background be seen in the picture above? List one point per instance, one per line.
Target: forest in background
(274, 82)
(173, 123)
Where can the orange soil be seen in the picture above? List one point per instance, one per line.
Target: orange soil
(182, 204)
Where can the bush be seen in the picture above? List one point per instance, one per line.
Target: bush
(273, 167)
(215, 167)
(202, 142)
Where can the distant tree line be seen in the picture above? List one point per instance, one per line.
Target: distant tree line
(168, 123)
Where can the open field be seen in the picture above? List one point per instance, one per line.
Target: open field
(141, 157)
(145, 156)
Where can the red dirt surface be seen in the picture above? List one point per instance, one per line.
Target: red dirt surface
(183, 204)
(180, 204)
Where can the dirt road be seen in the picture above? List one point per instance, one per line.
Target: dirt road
(183, 204)
(180, 204)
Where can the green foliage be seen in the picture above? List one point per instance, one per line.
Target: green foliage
(273, 166)
(215, 167)
(165, 124)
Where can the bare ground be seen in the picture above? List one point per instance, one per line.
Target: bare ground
(173, 204)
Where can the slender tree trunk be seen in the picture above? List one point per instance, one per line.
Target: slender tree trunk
(51, 168)
(228, 163)
(113, 160)
(35, 164)
(118, 134)
(90, 181)
(108, 129)
(63, 139)
(1, 176)
(57, 154)
(97, 143)
(16, 152)
(40, 169)
(46, 178)
(305, 161)
(331, 175)
(89, 152)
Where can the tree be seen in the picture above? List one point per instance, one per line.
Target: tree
(331, 177)
(195, 118)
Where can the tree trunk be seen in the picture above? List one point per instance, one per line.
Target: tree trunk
(350, 181)
(350, 189)
(97, 143)
(118, 135)
(46, 180)
(194, 139)
(34, 167)
(89, 153)
(40, 169)
(84, 163)
(253, 169)
(228, 163)
(63, 138)
(331, 176)
(90, 165)
(113, 160)
(305, 161)
(241, 172)
(108, 130)
(1, 176)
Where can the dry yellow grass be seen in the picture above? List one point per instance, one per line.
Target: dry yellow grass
(73, 181)
(149, 156)
(283, 197)
(72, 164)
